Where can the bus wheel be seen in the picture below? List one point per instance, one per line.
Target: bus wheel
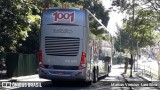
(53, 82)
(88, 83)
(107, 74)
(95, 77)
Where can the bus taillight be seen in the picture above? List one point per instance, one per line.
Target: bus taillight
(40, 59)
(83, 61)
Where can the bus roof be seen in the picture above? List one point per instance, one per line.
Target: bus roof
(65, 8)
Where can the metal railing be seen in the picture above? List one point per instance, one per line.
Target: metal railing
(148, 72)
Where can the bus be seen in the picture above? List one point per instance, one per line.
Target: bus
(68, 48)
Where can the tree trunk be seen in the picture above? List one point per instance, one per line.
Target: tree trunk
(158, 61)
(126, 65)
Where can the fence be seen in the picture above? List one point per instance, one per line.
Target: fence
(20, 64)
(147, 71)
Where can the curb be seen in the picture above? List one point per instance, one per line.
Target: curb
(149, 81)
(130, 88)
(139, 76)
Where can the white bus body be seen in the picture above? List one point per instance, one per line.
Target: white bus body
(68, 49)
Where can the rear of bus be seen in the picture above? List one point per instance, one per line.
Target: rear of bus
(61, 55)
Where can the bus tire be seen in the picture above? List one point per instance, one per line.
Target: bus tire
(107, 74)
(53, 82)
(88, 83)
(95, 77)
(109, 70)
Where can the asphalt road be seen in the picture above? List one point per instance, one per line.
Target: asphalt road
(104, 83)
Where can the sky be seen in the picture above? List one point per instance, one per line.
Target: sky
(115, 17)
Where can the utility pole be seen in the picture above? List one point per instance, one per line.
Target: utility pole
(131, 62)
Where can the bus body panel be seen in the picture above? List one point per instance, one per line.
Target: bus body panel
(69, 16)
(65, 36)
(66, 31)
(62, 44)
(61, 39)
(67, 44)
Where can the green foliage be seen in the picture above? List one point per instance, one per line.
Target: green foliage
(14, 24)
(145, 23)
(123, 41)
(31, 44)
(99, 11)
(144, 27)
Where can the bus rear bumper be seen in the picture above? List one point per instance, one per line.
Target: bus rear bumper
(54, 74)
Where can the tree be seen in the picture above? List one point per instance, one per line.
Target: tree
(14, 24)
(96, 8)
(122, 43)
(146, 20)
(31, 44)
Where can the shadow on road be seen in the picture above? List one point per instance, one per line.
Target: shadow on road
(64, 84)
(68, 83)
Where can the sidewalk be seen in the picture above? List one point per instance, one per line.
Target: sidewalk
(138, 78)
(134, 77)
